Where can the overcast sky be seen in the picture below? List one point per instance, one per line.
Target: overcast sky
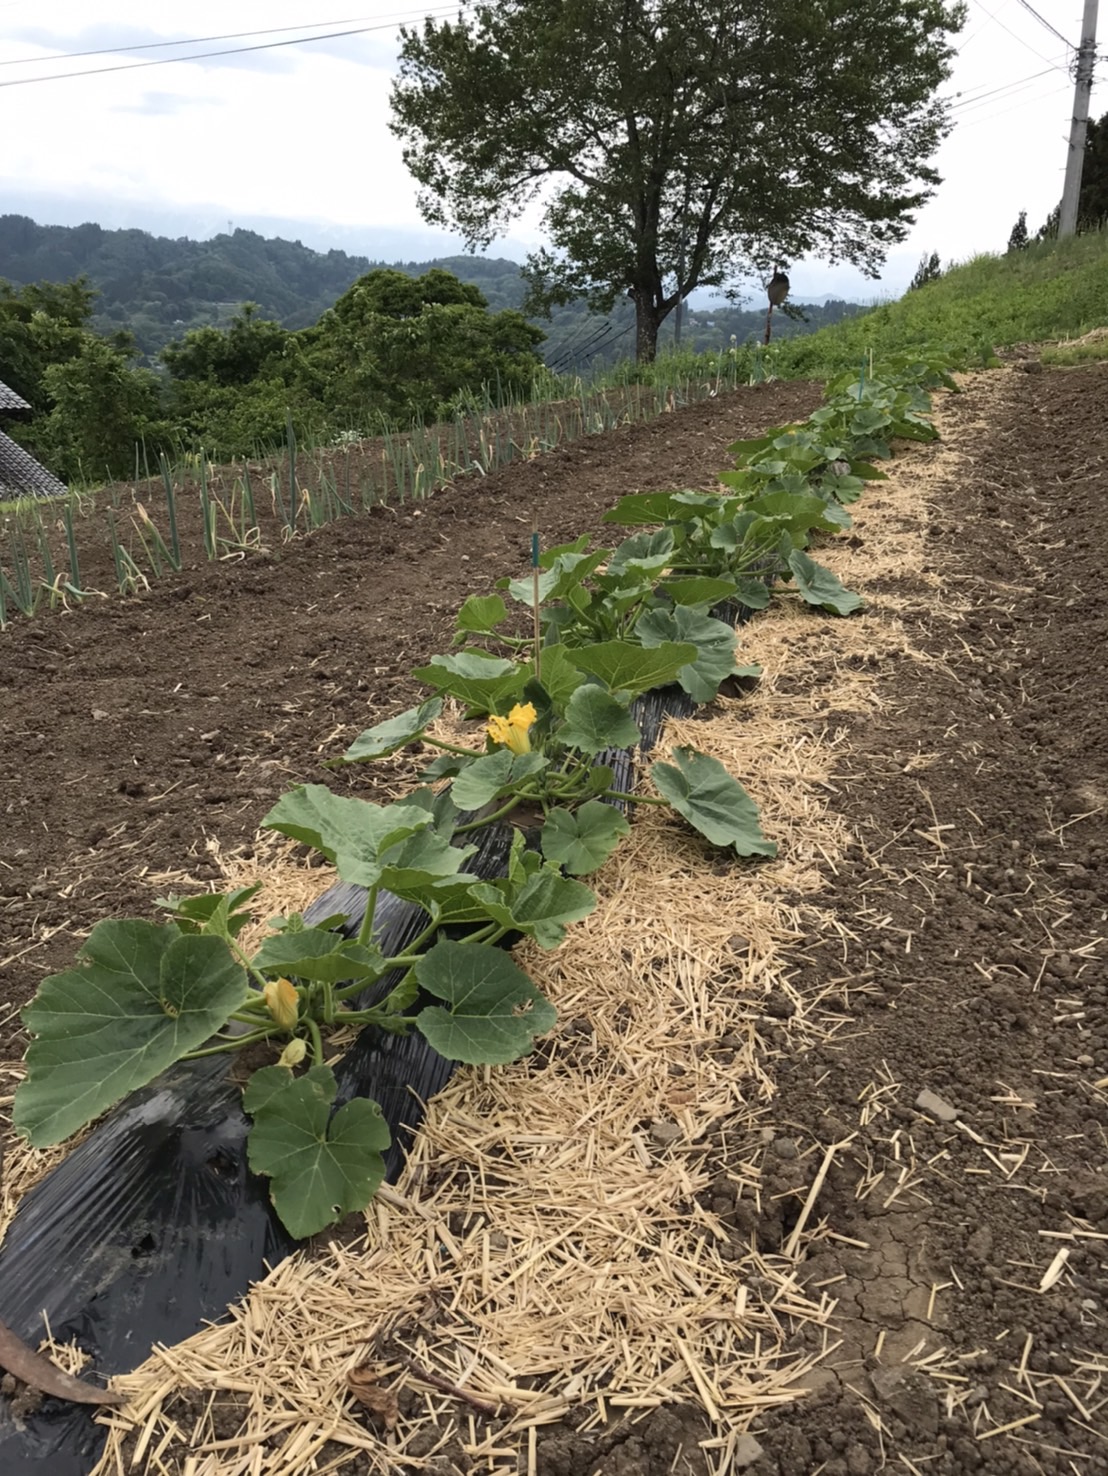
(293, 140)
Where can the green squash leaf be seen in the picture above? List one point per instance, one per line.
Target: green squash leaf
(445, 767)
(494, 1011)
(624, 666)
(714, 641)
(698, 591)
(481, 681)
(701, 789)
(494, 774)
(643, 551)
(224, 914)
(653, 507)
(867, 473)
(754, 593)
(422, 864)
(567, 571)
(595, 720)
(318, 955)
(140, 996)
(820, 587)
(799, 512)
(558, 676)
(541, 907)
(844, 489)
(385, 738)
(320, 1167)
(481, 614)
(351, 833)
(581, 840)
(438, 805)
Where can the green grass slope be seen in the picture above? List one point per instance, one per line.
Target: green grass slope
(1051, 291)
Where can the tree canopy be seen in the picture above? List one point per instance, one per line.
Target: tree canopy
(671, 143)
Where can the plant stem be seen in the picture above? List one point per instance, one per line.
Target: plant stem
(449, 747)
(248, 1016)
(366, 1017)
(246, 961)
(228, 1045)
(317, 1041)
(365, 932)
(496, 815)
(636, 799)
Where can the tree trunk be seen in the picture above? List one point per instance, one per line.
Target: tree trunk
(646, 330)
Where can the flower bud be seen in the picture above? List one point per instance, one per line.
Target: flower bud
(293, 1053)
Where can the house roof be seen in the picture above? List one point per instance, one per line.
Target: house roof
(22, 476)
(9, 400)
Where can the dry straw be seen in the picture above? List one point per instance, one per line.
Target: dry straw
(551, 1246)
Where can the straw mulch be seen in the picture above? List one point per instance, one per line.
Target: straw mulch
(548, 1249)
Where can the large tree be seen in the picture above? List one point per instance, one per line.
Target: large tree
(674, 143)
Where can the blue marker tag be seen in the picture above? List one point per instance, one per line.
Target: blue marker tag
(534, 550)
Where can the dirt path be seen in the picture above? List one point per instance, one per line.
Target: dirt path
(971, 931)
(958, 948)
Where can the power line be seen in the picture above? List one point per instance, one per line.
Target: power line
(30, 61)
(971, 102)
(1000, 113)
(1032, 11)
(164, 61)
(1022, 42)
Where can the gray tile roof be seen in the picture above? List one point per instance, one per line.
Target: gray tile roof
(9, 400)
(22, 476)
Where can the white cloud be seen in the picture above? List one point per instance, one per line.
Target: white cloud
(301, 133)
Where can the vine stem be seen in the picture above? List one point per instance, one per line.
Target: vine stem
(636, 799)
(317, 1041)
(228, 1045)
(450, 747)
(496, 815)
(365, 932)
(247, 962)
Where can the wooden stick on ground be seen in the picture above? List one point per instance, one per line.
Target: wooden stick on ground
(22, 1361)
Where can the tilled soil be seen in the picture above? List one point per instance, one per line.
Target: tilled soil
(131, 730)
(972, 910)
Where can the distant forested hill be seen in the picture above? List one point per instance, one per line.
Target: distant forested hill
(159, 288)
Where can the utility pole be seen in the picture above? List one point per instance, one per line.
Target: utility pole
(1086, 56)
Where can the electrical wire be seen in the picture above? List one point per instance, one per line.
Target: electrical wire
(164, 61)
(1043, 22)
(1005, 87)
(352, 20)
(584, 341)
(1061, 66)
(1001, 112)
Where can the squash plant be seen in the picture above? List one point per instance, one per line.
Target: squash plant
(613, 624)
(144, 995)
(564, 712)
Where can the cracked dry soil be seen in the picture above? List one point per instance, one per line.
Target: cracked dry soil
(972, 1316)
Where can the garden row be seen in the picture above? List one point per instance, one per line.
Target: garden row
(548, 673)
(58, 553)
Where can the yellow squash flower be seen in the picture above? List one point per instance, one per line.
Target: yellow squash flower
(282, 1002)
(513, 730)
(293, 1053)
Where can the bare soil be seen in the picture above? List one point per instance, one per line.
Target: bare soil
(133, 729)
(973, 907)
